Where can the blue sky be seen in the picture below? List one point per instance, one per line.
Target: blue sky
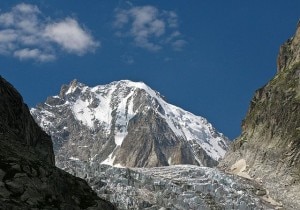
(207, 57)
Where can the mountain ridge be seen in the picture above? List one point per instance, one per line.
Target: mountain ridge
(130, 112)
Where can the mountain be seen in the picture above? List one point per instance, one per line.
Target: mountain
(269, 145)
(28, 177)
(129, 125)
(126, 124)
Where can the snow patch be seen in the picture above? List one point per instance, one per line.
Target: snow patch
(109, 161)
(74, 158)
(170, 161)
(85, 146)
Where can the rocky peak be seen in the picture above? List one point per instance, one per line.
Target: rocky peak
(289, 53)
(71, 88)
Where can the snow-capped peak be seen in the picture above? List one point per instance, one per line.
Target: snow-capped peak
(110, 108)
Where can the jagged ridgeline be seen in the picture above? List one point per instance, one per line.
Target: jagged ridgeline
(126, 124)
(28, 177)
(270, 140)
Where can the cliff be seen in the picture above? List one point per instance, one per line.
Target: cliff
(270, 139)
(28, 177)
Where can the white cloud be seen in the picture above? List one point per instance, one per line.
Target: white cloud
(25, 54)
(8, 35)
(149, 27)
(71, 36)
(25, 33)
(6, 19)
(26, 8)
(172, 19)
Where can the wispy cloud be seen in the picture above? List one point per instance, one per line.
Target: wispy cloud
(149, 27)
(179, 44)
(37, 54)
(127, 59)
(26, 34)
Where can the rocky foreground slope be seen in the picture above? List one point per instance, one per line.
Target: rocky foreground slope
(28, 177)
(126, 123)
(270, 141)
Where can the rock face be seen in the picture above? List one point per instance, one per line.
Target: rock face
(173, 187)
(28, 177)
(270, 140)
(17, 124)
(128, 124)
(289, 53)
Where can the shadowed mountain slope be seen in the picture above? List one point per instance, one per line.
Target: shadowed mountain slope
(28, 177)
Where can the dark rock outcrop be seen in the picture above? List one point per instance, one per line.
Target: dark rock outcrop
(28, 177)
(17, 124)
(270, 140)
